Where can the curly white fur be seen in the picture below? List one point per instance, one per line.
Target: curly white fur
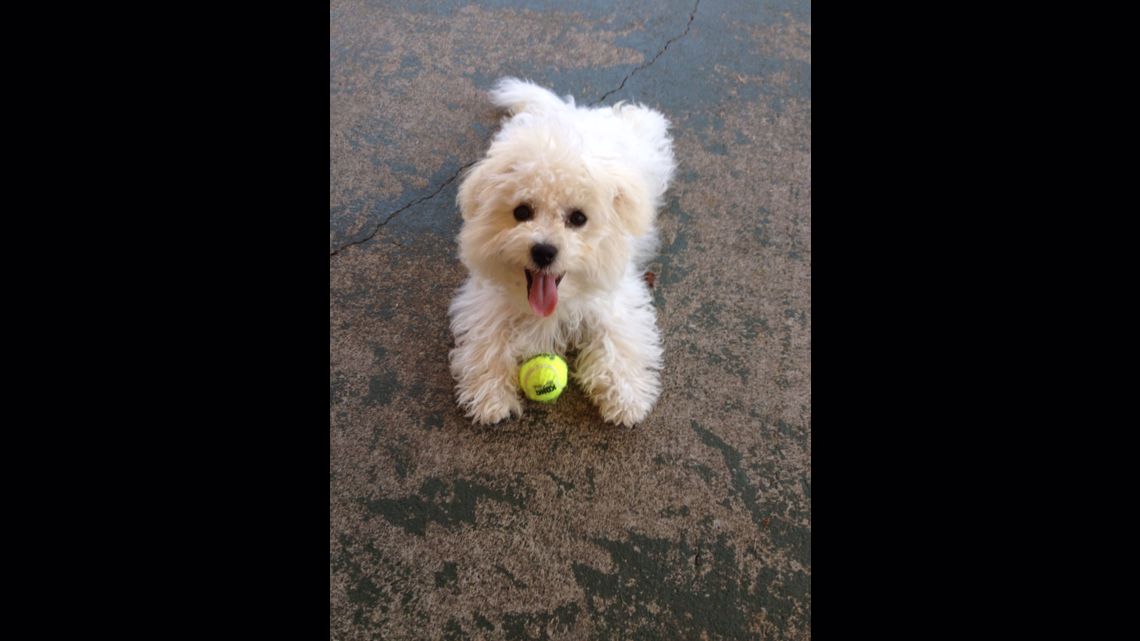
(612, 164)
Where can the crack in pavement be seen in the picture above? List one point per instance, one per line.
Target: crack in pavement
(393, 214)
(668, 42)
(688, 25)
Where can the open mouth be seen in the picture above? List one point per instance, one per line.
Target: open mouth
(542, 291)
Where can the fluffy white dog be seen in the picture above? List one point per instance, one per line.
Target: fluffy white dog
(558, 224)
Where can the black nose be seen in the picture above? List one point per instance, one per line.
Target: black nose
(543, 254)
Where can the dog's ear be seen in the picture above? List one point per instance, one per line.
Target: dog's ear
(631, 203)
(473, 183)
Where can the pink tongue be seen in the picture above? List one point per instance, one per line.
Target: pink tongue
(543, 293)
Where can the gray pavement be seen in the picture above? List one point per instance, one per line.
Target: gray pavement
(695, 524)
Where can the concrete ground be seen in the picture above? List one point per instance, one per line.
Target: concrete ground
(693, 525)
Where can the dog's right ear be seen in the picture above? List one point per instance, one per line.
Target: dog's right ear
(469, 190)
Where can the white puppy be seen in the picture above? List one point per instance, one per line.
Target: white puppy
(558, 224)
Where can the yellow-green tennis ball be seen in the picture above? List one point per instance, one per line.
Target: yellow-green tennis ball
(543, 377)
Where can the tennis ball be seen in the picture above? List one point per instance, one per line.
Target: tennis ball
(543, 377)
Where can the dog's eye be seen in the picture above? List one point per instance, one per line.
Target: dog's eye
(523, 212)
(577, 218)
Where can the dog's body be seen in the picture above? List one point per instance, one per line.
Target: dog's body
(559, 221)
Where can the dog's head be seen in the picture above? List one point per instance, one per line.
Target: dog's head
(540, 214)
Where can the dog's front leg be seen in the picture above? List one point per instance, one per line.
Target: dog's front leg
(487, 385)
(618, 364)
(484, 367)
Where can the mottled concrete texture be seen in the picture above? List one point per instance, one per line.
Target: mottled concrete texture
(694, 525)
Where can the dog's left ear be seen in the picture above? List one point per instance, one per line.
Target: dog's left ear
(632, 203)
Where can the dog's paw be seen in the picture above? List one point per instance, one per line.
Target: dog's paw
(493, 407)
(622, 400)
(489, 413)
(627, 409)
